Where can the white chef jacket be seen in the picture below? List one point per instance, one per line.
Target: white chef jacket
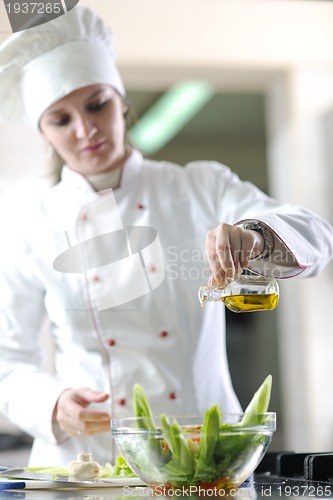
(154, 333)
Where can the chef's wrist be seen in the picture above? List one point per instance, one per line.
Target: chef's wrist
(268, 238)
(60, 435)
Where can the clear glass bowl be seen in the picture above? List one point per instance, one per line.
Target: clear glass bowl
(233, 454)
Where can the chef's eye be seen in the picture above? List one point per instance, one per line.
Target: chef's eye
(94, 107)
(61, 121)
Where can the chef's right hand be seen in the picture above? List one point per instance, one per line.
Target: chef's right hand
(73, 416)
(229, 250)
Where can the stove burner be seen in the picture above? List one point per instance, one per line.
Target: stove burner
(306, 466)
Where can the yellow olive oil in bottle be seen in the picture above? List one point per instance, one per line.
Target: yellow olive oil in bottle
(251, 302)
(247, 293)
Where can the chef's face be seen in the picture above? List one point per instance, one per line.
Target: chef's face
(87, 129)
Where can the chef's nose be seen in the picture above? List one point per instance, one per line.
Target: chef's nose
(84, 127)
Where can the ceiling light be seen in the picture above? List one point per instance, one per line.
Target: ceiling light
(169, 114)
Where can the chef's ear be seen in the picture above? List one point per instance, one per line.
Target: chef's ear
(130, 115)
(126, 107)
(54, 164)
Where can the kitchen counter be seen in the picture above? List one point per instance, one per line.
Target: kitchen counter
(265, 486)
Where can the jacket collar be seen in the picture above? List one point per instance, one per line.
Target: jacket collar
(77, 181)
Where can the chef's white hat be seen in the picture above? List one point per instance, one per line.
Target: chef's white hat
(43, 64)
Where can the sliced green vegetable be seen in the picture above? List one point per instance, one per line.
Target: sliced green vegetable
(258, 404)
(181, 464)
(119, 469)
(146, 422)
(58, 470)
(233, 445)
(142, 408)
(209, 434)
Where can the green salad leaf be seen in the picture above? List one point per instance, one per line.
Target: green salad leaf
(205, 465)
(258, 404)
(181, 463)
(146, 422)
(119, 469)
(142, 409)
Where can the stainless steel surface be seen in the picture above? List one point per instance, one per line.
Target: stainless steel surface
(268, 484)
(264, 487)
(67, 481)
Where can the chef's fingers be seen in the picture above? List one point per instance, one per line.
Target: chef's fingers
(218, 254)
(247, 245)
(223, 248)
(229, 250)
(212, 281)
(93, 416)
(86, 396)
(88, 422)
(242, 245)
(75, 407)
(85, 425)
(71, 401)
(95, 426)
(252, 246)
(236, 249)
(72, 415)
(85, 428)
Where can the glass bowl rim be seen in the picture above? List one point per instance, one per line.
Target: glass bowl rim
(125, 425)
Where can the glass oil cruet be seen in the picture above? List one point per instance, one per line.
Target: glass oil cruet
(247, 293)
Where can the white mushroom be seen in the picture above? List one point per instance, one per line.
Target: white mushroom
(83, 467)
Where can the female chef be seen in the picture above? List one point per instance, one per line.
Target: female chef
(115, 252)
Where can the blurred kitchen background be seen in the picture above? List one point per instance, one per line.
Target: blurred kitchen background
(266, 111)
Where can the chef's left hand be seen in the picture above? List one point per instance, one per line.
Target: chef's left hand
(229, 250)
(75, 418)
